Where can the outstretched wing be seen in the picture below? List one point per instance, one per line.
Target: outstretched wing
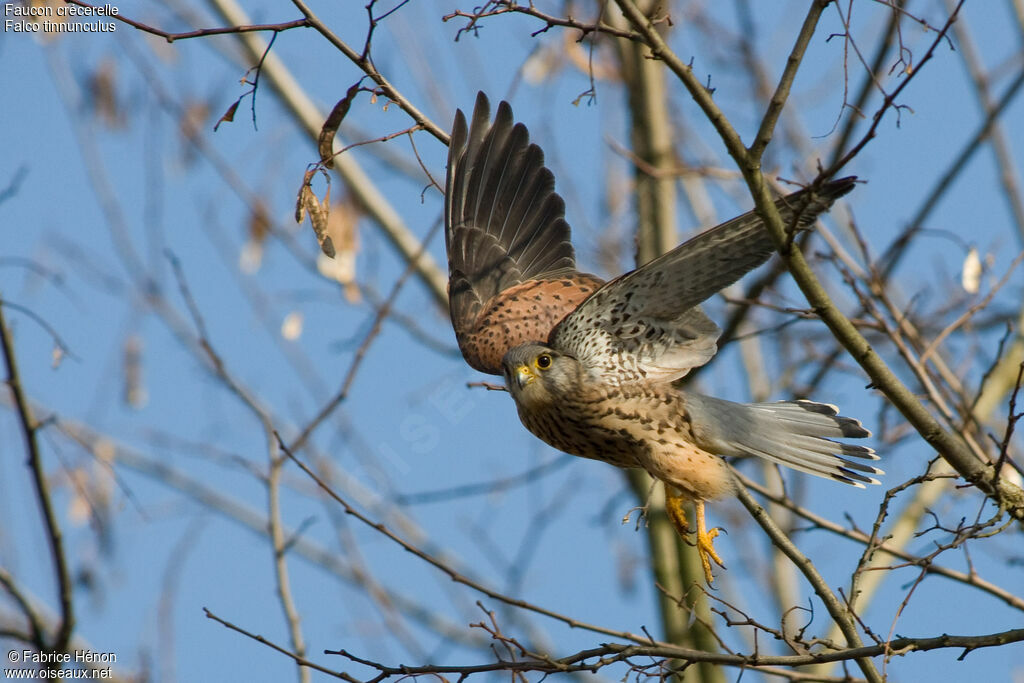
(511, 266)
(647, 324)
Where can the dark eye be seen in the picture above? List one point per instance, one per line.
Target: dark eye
(543, 361)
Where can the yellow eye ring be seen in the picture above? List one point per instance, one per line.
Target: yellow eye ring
(543, 361)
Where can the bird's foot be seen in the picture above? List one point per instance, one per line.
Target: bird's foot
(706, 550)
(674, 506)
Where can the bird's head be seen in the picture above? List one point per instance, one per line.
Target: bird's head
(536, 374)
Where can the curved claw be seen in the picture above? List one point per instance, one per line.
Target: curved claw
(704, 538)
(705, 547)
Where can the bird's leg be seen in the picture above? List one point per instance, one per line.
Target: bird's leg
(705, 544)
(705, 539)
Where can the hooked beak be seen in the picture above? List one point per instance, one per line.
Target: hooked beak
(522, 376)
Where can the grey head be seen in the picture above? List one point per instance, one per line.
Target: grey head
(538, 375)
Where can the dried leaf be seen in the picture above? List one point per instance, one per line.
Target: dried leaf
(300, 201)
(319, 220)
(325, 143)
(228, 116)
(970, 274)
(319, 212)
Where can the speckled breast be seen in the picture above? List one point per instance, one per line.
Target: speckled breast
(578, 429)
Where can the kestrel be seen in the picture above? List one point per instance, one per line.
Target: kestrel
(593, 366)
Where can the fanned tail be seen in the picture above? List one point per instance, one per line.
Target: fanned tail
(798, 434)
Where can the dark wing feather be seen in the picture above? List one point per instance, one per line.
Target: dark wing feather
(648, 324)
(504, 222)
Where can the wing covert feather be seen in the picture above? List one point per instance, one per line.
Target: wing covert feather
(647, 324)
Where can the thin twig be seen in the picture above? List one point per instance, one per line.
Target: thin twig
(55, 539)
(198, 33)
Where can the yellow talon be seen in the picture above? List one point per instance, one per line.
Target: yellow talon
(705, 539)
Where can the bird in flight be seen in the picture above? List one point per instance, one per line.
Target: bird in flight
(593, 366)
